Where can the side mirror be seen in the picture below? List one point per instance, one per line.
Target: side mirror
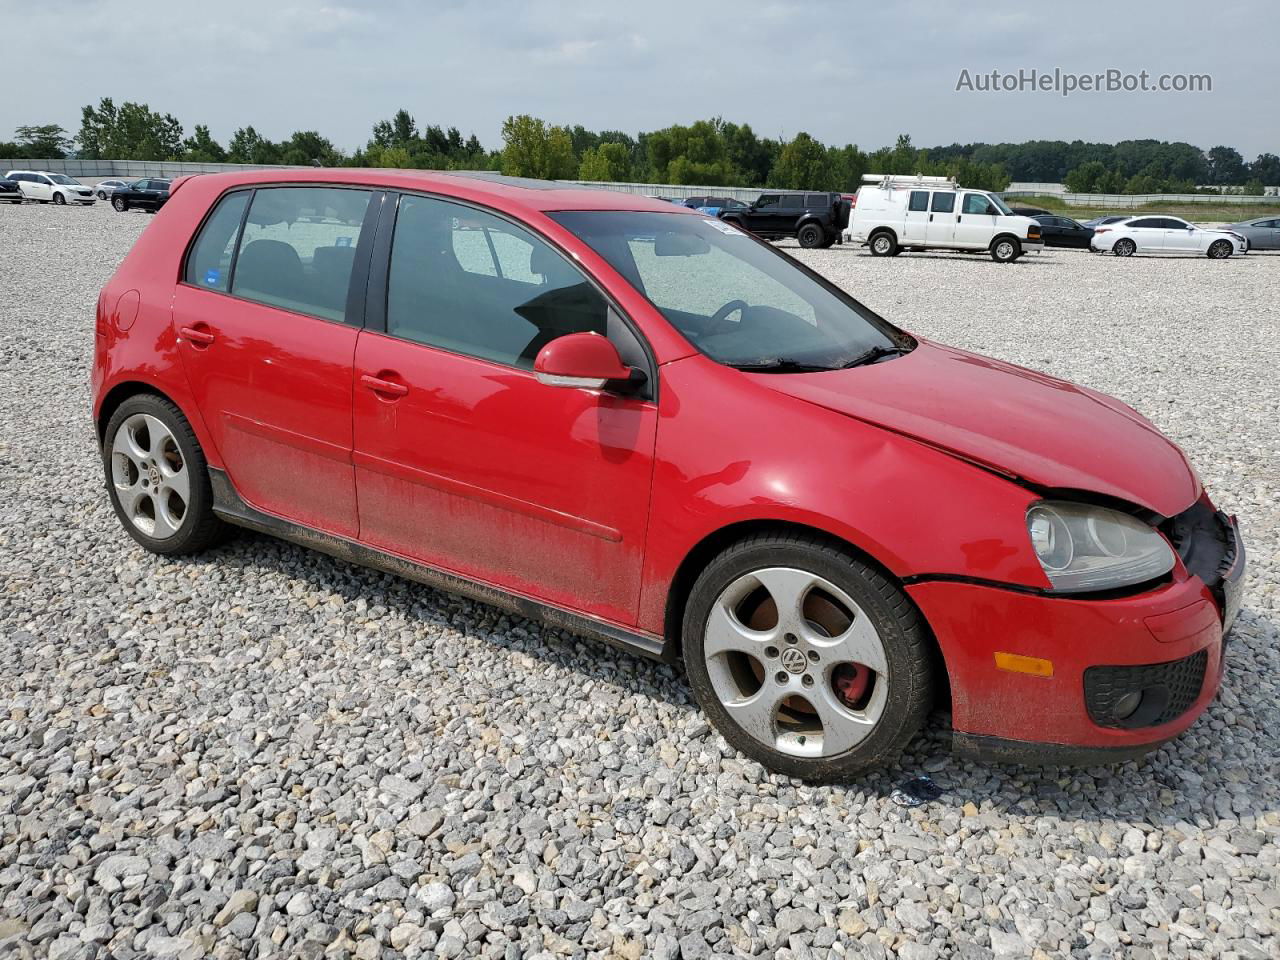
(584, 360)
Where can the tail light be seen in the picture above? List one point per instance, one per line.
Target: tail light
(1099, 230)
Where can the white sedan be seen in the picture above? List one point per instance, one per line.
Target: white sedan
(1170, 235)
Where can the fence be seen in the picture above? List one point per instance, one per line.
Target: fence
(1127, 200)
(136, 169)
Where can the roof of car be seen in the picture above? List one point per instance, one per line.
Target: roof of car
(479, 186)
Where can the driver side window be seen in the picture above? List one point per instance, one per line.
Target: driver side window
(473, 283)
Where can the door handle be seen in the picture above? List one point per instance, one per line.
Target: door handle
(198, 334)
(386, 387)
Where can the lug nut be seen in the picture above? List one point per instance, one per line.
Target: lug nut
(781, 677)
(771, 652)
(790, 638)
(807, 680)
(813, 655)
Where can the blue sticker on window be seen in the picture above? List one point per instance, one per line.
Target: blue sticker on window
(212, 277)
(343, 242)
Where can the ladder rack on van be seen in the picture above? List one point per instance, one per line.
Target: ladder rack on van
(888, 181)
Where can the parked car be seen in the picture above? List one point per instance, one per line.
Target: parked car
(658, 431)
(1260, 234)
(712, 206)
(1063, 232)
(105, 188)
(1168, 235)
(1104, 221)
(148, 195)
(51, 187)
(1031, 212)
(815, 219)
(934, 213)
(10, 191)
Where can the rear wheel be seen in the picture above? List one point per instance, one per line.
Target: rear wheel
(810, 236)
(102, 195)
(158, 479)
(119, 204)
(884, 244)
(806, 658)
(1220, 249)
(1124, 248)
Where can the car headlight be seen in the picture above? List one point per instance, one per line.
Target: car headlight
(1083, 547)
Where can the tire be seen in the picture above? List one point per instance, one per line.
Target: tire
(1219, 250)
(1124, 247)
(59, 200)
(883, 244)
(102, 195)
(811, 236)
(1005, 250)
(119, 204)
(788, 671)
(149, 446)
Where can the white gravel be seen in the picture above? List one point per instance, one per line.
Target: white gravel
(264, 752)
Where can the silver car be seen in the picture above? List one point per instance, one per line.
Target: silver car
(105, 188)
(1262, 234)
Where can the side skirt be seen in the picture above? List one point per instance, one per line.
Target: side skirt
(228, 505)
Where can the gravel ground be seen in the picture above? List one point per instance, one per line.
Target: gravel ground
(265, 752)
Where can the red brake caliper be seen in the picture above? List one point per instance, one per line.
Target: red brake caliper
(851, 681)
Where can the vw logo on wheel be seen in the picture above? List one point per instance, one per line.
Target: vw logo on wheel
(794, 660)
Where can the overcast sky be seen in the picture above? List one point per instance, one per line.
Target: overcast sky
(846, 72)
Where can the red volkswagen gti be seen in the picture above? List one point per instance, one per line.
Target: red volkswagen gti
(643, 425)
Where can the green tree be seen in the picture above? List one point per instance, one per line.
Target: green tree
(202, 148)
(1085, 178)
(45, 140)
(608, 162)
(307, 147)
(248, 146)
(533, 149)
(804, 164)
(133, 131)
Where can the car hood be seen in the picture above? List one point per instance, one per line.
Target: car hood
(1042, 431)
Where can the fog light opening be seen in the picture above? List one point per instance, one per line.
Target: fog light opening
(1127, 705)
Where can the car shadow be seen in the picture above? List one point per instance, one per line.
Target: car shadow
(1178, 783)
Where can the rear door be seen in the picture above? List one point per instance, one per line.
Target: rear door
(790, 210)
(466, 461)
(915, 227)
(1147, 233)
(267, 332)
(942, 218)
(41, 187)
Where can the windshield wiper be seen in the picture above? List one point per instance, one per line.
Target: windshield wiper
(872, 355)
(779, 365)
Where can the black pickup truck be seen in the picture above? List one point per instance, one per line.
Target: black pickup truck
(815, 219)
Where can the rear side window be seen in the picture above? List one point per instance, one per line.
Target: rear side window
(919, 201)
(1148, 222)
(817, 200)
(472, 283)
(299, 247)
(943, 202)
(209, 264)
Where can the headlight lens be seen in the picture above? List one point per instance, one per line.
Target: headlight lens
(1083, 547)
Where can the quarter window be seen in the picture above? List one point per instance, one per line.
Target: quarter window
(470, 282)
(919, 201)
(299, 247)
(944, 202)
(209, 264)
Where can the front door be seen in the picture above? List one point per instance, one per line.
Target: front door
(942, 218)
(976, 221)
(464, 459)
(1180, 237)
(263, 327)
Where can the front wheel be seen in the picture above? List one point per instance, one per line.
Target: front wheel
(119, 204)
(1124, 248)
(158, 479)
(1220, 249)
(807, 658)
(810, 236)
(1006, 250)
(59, 199)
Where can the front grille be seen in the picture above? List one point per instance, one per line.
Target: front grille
(1167, 691)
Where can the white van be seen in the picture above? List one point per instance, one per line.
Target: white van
(933, 213)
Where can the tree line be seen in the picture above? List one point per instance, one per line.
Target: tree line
(712, 152)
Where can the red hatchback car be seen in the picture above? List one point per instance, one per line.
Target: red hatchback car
(644, 425)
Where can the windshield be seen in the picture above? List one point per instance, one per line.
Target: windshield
(62, 178)
(733, 297)
(1000, 204)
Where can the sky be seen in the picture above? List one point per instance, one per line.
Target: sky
(845, 72)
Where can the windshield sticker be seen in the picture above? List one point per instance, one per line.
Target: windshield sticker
(724, 227)
(212, 276)
(343, 242)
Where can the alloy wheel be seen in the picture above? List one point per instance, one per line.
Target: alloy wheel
(796, 663)
(150, 476)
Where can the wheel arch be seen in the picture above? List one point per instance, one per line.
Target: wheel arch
(716, 542)
(126, 388)
(883, 229)
(1005, 235)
